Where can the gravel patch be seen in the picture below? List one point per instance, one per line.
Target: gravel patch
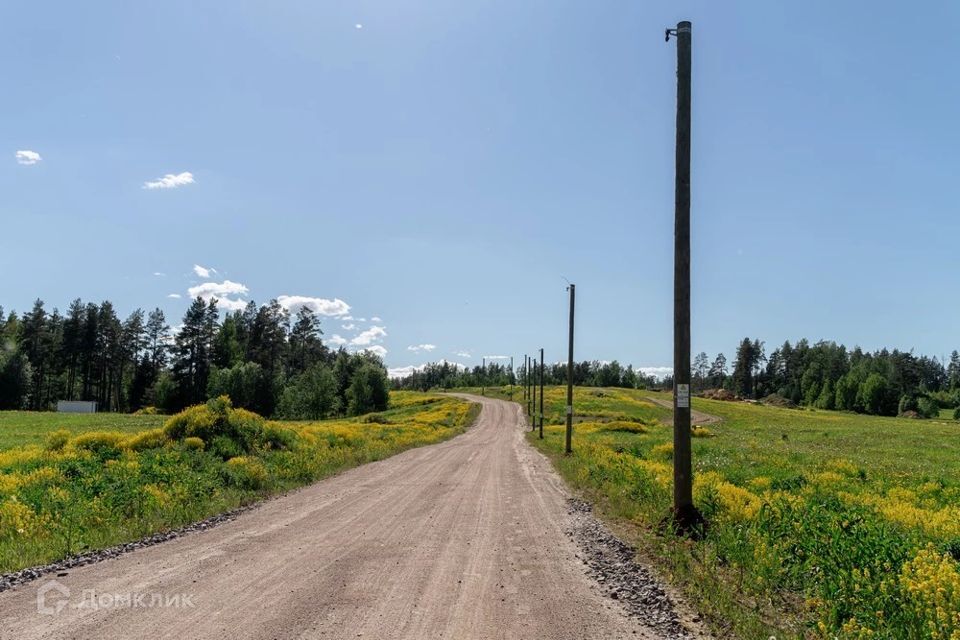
(610, 562)
(10, 580)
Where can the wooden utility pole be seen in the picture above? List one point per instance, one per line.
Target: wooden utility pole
(685, 514)
(569, 445)
(524, 378)
(511, 378)
(541, 393)
(483, 378)
(533, 403)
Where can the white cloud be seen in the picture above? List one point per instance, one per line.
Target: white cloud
(497, 357)
(375, 319)
(174, 295)
(349, 326)
(358, 26)
(378, 350)
(371, 335)
(27, 157)
(159, 274)
(403, 372)
(222, 292)
(421, 347)
(170, 181)
(322, 306)
(336, 340)
(203, 272)
(218, 289)
(656, 371)
(361, 319)
(462, 354)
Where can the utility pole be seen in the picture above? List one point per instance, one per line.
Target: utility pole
(685, 513)
(533, 403)
(483, 378)
(569, 445)
(541, 393)
(511, 378)
(524, 378)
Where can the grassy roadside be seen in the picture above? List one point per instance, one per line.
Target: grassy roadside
(84, 489)
(822, 524)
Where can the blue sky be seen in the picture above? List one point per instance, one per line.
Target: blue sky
(442, 166)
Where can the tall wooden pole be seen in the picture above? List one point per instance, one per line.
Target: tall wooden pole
(511, 378)
(569, 444)
(524, 378)
(483, 378)
(685, 514)
(541, 393)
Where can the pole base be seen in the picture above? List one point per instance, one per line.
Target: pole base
(689, 522)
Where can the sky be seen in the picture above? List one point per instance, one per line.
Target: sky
(428, 175)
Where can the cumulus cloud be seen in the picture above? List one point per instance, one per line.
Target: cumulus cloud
(27, 157)
(421, 347)
(371, 335)
(375, 319)
(659, 372)
(336, 340)
(222, 291)
(377, 350)
(203, 272)
(349, 326)
(174, 295)
(170, 181)
(321, 306)
(218, 289)
(462, 354)
(497, 357)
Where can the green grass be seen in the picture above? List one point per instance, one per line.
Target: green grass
(817, 520)
(18, 428)
(75, 493)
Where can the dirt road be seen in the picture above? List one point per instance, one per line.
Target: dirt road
(696, 417)
(463, 539)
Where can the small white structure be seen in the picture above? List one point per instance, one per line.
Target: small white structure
(76, 406)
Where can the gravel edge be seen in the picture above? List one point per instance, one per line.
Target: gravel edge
(23, 576)
(611, 563)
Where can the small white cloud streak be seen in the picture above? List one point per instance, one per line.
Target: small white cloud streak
(321, 306)
(497, 357)
(218, 289)
(159, 274)
(377, 350)
(348, 327)
(375, 319)
(462, 354)
(402, 372)
(659, 372)
(170, 181)
(421, 347)
(203, 272)
(174, 295)
(27, 157)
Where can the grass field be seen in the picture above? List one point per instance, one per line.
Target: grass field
(76, 483)
(821, 524)
(18, 428)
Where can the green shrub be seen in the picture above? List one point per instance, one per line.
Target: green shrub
(246, 473)
(279, 437)
(928, 407)
(147, 411)
(101, 441)
(193, 444)
(956, 413)
(57, 440)
(224, 447)
(152, 439)
(215, 419)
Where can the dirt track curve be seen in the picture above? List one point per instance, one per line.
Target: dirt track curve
(463, 539)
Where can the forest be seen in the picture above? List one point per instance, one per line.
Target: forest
(260, 357)
(825, 375)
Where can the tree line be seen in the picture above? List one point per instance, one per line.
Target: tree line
(588, 373)
(826, 375)
(262, 358)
